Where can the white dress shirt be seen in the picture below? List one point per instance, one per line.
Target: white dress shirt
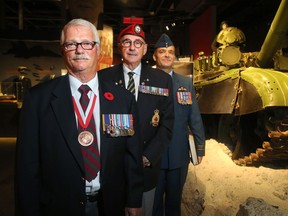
(136, 76)
(94, 185)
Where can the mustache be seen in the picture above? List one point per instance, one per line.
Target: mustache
(132, 53)
(80, 57)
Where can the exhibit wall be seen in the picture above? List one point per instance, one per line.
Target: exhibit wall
(41, 60)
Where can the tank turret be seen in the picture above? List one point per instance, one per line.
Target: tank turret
(243, 96)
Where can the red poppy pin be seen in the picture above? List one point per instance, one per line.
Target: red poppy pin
(109, 96)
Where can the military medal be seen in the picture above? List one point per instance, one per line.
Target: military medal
(114, 132)
(117, 125)
(130, 132)
(184, 97)
(153, 90)
(117, 132)
(85, 137)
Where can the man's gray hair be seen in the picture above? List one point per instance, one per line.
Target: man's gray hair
(80, 22)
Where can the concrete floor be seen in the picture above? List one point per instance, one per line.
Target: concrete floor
(7, 157)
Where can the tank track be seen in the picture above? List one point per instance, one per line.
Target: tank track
(269, 153)
(274, 150)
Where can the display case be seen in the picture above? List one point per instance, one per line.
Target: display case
(11, 97)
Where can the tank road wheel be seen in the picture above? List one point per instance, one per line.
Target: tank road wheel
(238, 133)
(228, 131)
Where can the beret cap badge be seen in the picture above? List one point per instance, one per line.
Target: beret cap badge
(137, 29)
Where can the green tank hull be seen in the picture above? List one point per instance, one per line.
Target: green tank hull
(243, 97)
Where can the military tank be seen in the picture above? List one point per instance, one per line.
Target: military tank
(243, 97)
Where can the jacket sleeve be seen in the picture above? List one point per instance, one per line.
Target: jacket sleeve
(27, 175)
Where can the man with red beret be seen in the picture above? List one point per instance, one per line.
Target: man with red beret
(153, 92)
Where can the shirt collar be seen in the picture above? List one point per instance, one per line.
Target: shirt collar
(137, 70)
(75, 84)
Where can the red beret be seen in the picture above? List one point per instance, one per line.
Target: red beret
(132, 30)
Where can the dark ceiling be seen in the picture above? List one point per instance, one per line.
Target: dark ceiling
(43, 19)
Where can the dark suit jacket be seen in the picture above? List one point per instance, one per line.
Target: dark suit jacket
(50, 170)
(154, 138)
(186, 117)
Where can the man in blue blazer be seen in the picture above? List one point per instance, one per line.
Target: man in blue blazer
(153, 93)
(176, 158)
(51, 178)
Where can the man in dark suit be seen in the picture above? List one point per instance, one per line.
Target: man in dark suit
(175, 160)
(52, 176)
(153, 91)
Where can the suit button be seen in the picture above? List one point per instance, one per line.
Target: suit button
(82, 178)
(82, 203)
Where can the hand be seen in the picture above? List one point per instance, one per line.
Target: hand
(132, 211)
(146, 162)
(199, 159)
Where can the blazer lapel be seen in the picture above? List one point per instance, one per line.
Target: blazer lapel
(104, 107)
(119, 76)
(144, 80)
(175, 81)
(64, 112)
(145, 76)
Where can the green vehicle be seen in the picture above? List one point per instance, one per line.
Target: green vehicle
(243, 97)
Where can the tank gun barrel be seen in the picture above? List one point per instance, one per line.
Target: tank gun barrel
(276, 34)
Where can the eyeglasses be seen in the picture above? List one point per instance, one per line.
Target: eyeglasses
(86, 45)
(136, 43)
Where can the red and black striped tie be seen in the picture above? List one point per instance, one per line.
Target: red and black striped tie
(90, 153)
